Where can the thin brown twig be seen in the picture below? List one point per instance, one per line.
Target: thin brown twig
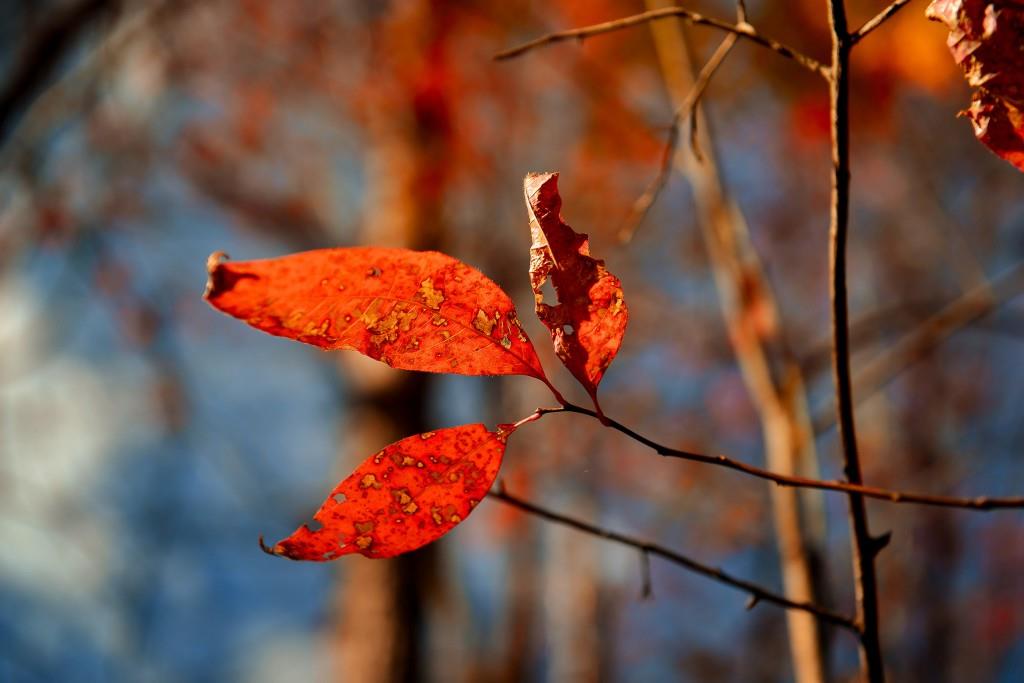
(688, 108)
(756, 592)
(741, 11)
(864, 547)
(878, 493)
(42, 55)
(926, 337)
(643, 203)
(743, 30)
(877, 20)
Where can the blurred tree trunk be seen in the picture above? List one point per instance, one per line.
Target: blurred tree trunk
(773, 380)
(571, 600)
(384, 605)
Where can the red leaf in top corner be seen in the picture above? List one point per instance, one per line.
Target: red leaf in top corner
(986, 38)
(407, 495)
(414, 310)
(588, 323)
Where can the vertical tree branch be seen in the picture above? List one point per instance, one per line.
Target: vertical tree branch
(864, 547)
(773, 381)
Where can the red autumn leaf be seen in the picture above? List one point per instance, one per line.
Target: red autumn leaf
(414, 310)
(407, 495)
(590, 318)
(986, 39)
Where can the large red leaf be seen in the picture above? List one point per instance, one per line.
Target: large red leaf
(410, 309)
(590, 318)
(986, 38)
(407, 495)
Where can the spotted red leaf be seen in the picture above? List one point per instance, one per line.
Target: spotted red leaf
(590, 318)
(407, 495)
(986, 38)
(412, 310)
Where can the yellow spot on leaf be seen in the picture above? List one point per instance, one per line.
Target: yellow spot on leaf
(368, 481)
(483, 323)
(430, 296)
(364, 542)
(386, 329)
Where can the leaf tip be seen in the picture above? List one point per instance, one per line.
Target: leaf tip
(213, 283)
(274, 550)
(534, 181)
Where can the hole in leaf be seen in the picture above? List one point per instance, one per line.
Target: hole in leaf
(315, 525)
(339, 497)
(568, 329)
(548, 291)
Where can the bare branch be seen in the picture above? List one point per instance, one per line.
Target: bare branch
(743, 30)
(878, 493)
(644, 202)
(774, 383)
(756, 592)
(877, 20)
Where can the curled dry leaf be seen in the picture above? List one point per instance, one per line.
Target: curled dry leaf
(407, 495)
(590, 318)
(412, 310)
(986, 38)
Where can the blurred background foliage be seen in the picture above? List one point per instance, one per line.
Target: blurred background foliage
(145, 440)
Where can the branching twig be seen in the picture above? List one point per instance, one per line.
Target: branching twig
(878, 493)
(877, 20)
(688, 108)
(756, 592)
(743, 30)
